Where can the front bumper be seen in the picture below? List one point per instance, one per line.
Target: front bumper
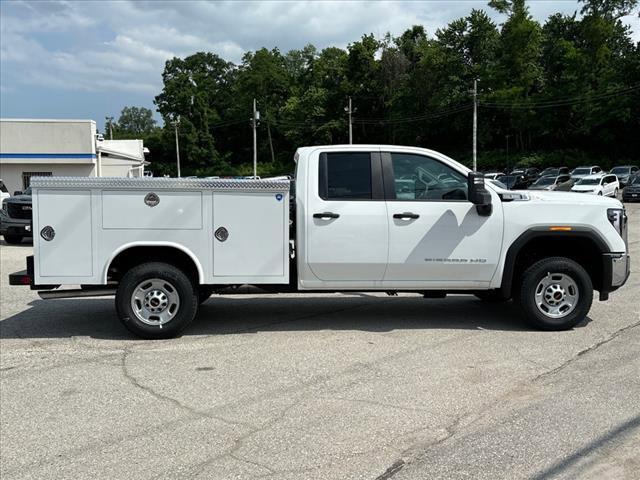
(12, 226)
(616, 268)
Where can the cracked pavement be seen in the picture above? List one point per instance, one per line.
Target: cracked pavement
(319, 387)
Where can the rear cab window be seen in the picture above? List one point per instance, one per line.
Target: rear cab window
(350, 176)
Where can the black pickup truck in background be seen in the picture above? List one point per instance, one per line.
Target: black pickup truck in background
(15, 217)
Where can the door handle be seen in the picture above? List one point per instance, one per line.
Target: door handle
(406, 215)
(326, 215)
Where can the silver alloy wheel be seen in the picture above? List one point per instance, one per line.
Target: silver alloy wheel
(557, 295)
(155, 301)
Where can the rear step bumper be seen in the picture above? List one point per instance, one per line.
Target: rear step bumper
(25, 277)
(20, 278)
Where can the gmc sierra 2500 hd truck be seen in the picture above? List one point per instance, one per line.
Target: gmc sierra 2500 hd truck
(355, 218)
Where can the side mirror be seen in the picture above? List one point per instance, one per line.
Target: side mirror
(16, 193)
(478, 194)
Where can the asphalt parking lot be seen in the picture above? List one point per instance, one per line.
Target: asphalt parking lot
(319, 387)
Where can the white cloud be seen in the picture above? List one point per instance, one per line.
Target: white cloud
(124, 45)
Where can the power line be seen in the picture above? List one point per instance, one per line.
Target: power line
(560, 102)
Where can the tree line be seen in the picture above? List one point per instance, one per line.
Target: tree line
(564, 92)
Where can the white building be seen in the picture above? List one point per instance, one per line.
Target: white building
(33, 147)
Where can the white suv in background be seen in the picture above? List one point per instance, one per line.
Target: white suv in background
(4, 193)
(606, 185)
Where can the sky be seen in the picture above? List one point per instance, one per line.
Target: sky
(88, 59)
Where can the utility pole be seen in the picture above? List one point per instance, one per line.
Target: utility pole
(175, 124)
(507, 172)
(110, 123)
(349, 110)
(254, 121)
(475, 125)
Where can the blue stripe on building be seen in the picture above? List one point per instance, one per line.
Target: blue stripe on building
(48, 155)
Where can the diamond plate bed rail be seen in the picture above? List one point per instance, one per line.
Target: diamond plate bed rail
(161, 183)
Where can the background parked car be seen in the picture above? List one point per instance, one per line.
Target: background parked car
(555, 171)
(606, 185)
(585, 171)
(623, 172)
(553, 182)
(530, 174)
(15, 217)
(631, 192)
(513, 182)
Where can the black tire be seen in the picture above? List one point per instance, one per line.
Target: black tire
(177, 284)
(492, 296)
(13, 239)
(204, 292)
(533, 277)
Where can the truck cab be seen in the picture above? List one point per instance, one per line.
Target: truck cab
(355, 218)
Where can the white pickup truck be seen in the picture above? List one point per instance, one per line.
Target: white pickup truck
(355, 218)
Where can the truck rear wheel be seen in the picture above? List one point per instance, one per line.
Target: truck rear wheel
(555, 293)
(156, 300)
(13, 239)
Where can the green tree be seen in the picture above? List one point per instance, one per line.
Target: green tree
(135, 122)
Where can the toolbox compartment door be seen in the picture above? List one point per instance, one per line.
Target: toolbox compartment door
(133, 210)
(69, 252)
(255, 226)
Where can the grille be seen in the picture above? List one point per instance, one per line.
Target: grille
(17, 210)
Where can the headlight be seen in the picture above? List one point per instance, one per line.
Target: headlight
(618, 219)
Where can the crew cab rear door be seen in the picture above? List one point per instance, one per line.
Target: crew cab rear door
(437, 239)
(345, 218)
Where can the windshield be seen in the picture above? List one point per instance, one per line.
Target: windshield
(551, 171)
(619, 170)
(635, 181)
(546, 181)
(589, 181)
(27, 191)
(582, 171)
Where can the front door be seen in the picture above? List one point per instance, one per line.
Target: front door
(346, 218)
(436, 236)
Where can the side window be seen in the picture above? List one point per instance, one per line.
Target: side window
(634, 169)
(417, 177)
(345, 176)
(564, 178)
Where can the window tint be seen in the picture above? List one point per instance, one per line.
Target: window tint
(417, 177)
(564, 178)
(345, 176)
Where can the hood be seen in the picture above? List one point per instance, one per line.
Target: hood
(564, 198)
(585, 188)
(20, 199)
(574, 198)
(633, 188)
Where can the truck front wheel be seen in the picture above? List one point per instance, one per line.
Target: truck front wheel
(555, 293)
(156, 300)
